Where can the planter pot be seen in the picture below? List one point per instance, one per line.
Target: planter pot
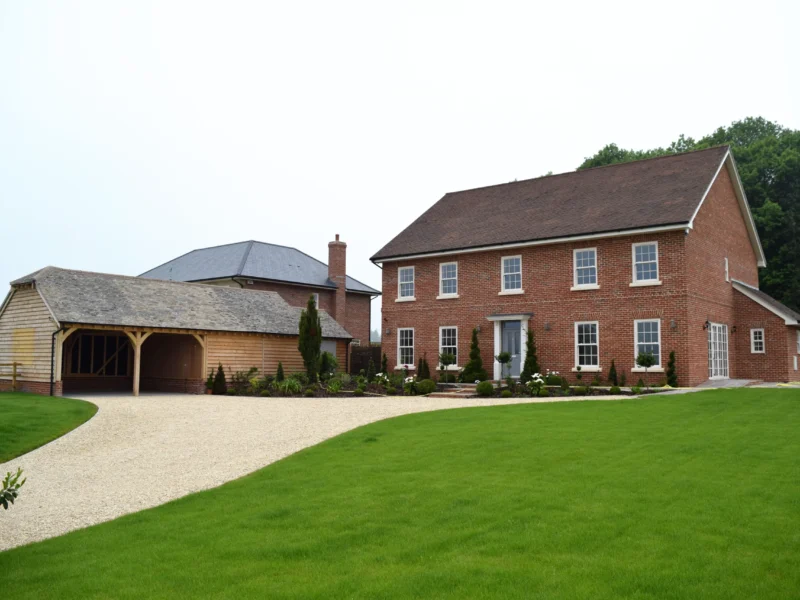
(209, 392)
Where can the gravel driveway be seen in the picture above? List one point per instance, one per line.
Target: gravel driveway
(136, 453)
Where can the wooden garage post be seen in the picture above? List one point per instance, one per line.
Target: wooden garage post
(137, 339)
(201, 339)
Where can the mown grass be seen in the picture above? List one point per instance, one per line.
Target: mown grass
(694, 496)
(28, 421)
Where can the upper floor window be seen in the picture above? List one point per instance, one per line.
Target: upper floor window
(587, 344)
(405, 283)
(448, 279)
(448, 341)
(727, 271)
(648, 338)
(645, 263)
(405, 347)
(757, 341)
(584, 266)
(512, 274)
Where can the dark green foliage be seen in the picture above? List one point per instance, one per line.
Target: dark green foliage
(371, 370)
(220, 385)
(423, 369)
(279, 376)
(426, 386)
(768, 159)
(384, 365)
(309, 393)
(623, 379)
(579, 390)
(266, 393)
(391, 390)
(210, 380)
(506, 394)
(640, 383)
(473, 370)
(328, 365)
(358, 392)
(240, 380)
(612, 374)
(596, 380)
(543, 393)
(564, 384)
(503, 358)
(531, 365)
(672, 376)
(615, 390)
(310, 338)
(10, 490)
(484, 388)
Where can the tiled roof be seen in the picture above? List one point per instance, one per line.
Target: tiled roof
(647, 193)
(103, 299)
(255, 260)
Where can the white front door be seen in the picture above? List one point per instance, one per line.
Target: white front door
(717, 351)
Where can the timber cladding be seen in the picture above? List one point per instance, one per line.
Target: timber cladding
(25, 336)
(242, 352)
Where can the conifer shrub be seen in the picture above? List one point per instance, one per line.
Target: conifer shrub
(485, 389)
(220, 385)
(672, 375)
(612, 374)
(531, 365)
(279, 376)
(473, 370)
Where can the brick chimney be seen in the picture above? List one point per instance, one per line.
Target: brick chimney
(337, 269)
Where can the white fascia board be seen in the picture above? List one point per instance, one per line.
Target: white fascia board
(745, 289)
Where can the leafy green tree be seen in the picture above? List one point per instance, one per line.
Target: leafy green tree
(531, 365)
(612, 374)
(645, 360)
(672, 376)
(473, 370)
(310, 339)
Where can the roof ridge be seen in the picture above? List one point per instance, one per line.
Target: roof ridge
(245, 256)
(578, 171)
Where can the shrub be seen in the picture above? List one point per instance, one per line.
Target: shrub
(579, 390)
(10, 489)
(535, 384)
(370, 370)
(309, 339)
(410, 386)
(265, 393)
(345, 378)
(615, 390)
(485, 388)
(241, 380)
(289, 386)
(543, 393)
(423, 369)
(506, 394)
(564, 384)
(327, 365)
(309, 393)
(220, 385)
(232, 392)
(334, 386)
(503, 358)
(301, 377)
(672, 376)
(552, 378)
(391, 390)
(448, 378)
(662, 382)
(636, 390)
(445, 360)
(640, 383)
(473, 370)
(578, 374)
(531, 365)
(596, 381)
(384, 364)
(279, 376)
(645, 360)
(210, 380)
(623, 379)
(426, 386)
(612, 374)
(358, 392)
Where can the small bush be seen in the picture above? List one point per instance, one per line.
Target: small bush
(301, 377)
(564, 384)
(597, 381)
(612, 374)
(485, 389)
(640, 383)
(623, 379)
(309, 393)
(636, 390)
(448, 378)
(279, 376)
(672, 375)
(371, 370)
(552, 379)
(579, 390)
(358, 392)
(265, 393)
(506, 394)
(232, 392)
(220, 385)
(543, 393)
(662, 382)
(426, 386)
(391, 390)
(615, 390)
(289, 386)
(362, 387)
(345, 378)
(334, 386)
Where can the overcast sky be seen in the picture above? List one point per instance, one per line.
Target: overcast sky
(132, 132)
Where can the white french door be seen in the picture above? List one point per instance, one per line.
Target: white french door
(717, 351)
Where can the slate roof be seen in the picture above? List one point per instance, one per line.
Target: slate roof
(767, 301)
(646, 193)
(254, 260)
(103, 299)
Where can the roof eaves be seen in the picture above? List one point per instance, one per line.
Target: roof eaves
(748, 290)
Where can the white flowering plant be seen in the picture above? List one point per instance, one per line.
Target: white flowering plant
(410, 385)
(382, 379)
(535, 384)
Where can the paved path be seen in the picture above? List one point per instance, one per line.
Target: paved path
(136, 453)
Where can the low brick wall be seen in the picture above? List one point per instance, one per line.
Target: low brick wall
(172, 385)
(33, 387)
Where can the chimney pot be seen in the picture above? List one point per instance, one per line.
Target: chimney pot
(337, 237)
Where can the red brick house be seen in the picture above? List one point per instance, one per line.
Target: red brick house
(657, 255)
(293, 274)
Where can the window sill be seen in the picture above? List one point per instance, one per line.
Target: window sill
(577, 288)
(449, 368)
(447, 296)
(510, 292)
(406, 299)
(645, 283)
(649, 370)
(408, 368)
(757, 352)
(588, 369)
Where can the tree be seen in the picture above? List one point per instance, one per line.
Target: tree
(645, 360)
(473, 370)
(445, 360)
(503, 358)
(371, 370)
(612, 374)
(768, 159)
(220, 385)
(385, 365)
(279, 376)
(672, 376)
(310, 340)
(531, 365)
(423, 369)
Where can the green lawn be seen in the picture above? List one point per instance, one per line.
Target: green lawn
(28, 421)
(694, 496)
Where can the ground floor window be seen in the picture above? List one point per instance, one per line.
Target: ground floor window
(648, 339)
(448, 342)
(405, 346)
(99, 354)
(587, 344)
(757, 341)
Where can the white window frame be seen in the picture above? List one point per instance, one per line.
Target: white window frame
(753, 341)
(586, 368)
(442, 295)
(798, 341)
(400, 364)
(511, 291)
(413, 296)
(727, 270)
(644, 282)
(584, 286)
(655, 368)
(355, 342)
(453, 367)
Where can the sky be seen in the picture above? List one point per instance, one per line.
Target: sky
(133, 132)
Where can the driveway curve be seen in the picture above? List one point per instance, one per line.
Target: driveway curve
(136, 453)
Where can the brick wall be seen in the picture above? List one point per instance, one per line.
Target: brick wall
(547, 275)
(357, 317)
(772, 365)
(172, 385)
(297, 295)
(33, 387)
